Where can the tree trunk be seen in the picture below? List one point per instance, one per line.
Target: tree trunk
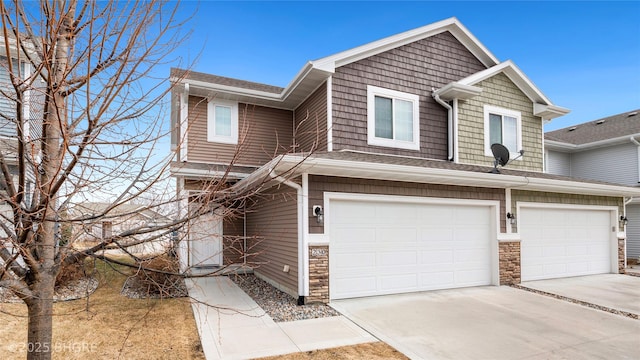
(40, 328)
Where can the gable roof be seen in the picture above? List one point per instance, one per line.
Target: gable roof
(121, 210)
(601, 132)
(316, 72)
(542, 106)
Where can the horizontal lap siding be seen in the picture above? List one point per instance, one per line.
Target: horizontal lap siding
(311, 122)
(414, 68)
(266, 132)
(233, 235)
(273, 221)
(318, 185)
(557, 198)
(498, 91)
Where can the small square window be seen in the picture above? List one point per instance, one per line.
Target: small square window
(222, 122)
(502, 126)
(393, 118)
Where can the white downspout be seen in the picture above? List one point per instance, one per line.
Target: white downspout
(302, 284)
(634, 141)
(449, 122)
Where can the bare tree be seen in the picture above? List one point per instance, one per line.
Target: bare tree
(82, 100)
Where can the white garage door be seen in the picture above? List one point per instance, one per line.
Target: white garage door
(380, 247)
(564, 242)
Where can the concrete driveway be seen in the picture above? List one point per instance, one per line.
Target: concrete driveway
(619, 292)
(493, 323)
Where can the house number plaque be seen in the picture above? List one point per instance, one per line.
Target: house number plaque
(318, 252)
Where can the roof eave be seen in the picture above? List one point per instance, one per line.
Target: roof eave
(295, 164)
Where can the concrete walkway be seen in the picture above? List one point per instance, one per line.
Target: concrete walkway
(232, 326)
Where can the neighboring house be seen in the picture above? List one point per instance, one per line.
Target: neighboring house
(132, 219)
(606, 149)
(33, 102)
(377, 166)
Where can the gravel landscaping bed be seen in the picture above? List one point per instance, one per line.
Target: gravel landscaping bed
(74, 290)
(277, 304)
(579, 302)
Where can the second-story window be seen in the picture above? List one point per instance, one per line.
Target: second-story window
(222, 121)
(502, 126)
(393, 118)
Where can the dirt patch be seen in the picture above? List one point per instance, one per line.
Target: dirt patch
(375, 350)
(109, 326)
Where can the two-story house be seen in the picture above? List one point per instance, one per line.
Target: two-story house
(375, 174)
(606, 149)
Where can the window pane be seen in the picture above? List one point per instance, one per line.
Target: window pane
(495, 129)
(404, 120)
(223, 120)
(384, 120)
(510, 134)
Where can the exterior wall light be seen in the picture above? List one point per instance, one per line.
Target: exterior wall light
(511, 217)
(624, 220)
(318, 213)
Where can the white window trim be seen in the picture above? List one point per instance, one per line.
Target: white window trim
(489, 109)
(211, 135)
(372, 91)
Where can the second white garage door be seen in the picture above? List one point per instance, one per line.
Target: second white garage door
(382, 247)
(559, 242)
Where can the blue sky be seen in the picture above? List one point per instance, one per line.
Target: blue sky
(582, 55)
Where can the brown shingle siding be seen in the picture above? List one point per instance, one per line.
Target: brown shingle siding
(413, 68)
(311, 122)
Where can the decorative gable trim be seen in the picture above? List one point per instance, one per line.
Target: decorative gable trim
(451, 25)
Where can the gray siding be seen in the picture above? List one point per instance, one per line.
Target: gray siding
(415, 68)
(311, 122)
(268, 132)
(233, 238)
(558, 163)
(319, 184)
(273, 224)
(633, 231)
(616, 164)
(7, 101)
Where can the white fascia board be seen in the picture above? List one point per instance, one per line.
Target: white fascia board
(356, 169)
(204, 174)
(455, 90)
(518, 77)
(558, 145)
(549, 112)
(198, 84)
(452, 25)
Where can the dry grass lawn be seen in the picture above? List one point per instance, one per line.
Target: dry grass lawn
(109, 326)
(376, 350)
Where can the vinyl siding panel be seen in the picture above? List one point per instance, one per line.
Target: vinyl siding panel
(266, 133)
(557, 198)
(615, 164)
(233, 239)
(414, 68)
(311, 122)
(273, 221)
(558, 163)
(319, 184)
(499, 91)
(633, 231)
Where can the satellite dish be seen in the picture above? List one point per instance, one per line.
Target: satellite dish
(502, 156)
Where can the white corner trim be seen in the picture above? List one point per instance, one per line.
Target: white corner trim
(303, 278)
(330, 113)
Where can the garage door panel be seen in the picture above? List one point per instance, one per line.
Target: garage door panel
(423, 249)
(564, 242)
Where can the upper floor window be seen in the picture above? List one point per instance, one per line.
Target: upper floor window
(222, 121)
(502, 126)
(393, 118)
